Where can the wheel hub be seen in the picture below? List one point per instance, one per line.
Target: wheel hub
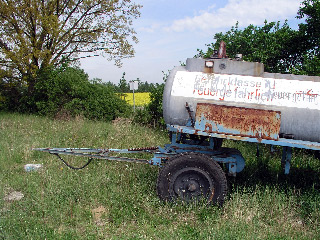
(192, 183)
(193, 186)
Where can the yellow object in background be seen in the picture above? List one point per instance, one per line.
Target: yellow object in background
(141, 99)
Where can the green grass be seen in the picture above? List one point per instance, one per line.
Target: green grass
(113, 200)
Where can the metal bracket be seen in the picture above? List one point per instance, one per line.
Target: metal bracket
(286, 159)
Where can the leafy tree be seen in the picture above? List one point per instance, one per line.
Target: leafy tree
(123, 87)
(111, 85)
(38, 33)
(309, 33)
(145, 87)
(280, 48)
(270, 44)
(142, 86)
(310, 11)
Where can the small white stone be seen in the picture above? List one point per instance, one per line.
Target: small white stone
(32, 167)
(14, 196)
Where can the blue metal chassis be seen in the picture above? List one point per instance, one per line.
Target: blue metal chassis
(233, 159)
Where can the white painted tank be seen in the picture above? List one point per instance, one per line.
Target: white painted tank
(244, 84)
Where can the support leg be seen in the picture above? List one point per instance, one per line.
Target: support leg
(286, 159)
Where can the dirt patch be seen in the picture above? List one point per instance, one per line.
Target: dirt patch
(121, 121)
(13, 196)
(97, 215)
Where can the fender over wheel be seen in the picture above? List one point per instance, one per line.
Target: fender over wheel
(191, 177)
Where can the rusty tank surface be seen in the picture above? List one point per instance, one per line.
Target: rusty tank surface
(249, 101)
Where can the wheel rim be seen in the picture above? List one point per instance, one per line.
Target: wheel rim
(191, 184)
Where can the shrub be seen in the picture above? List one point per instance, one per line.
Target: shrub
(11, 93)
(142, 116)
(68, 89)
(155, 105)
(152, 113)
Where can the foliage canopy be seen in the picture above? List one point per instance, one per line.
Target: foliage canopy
(37, 33)
(268, 44)
(279, 47)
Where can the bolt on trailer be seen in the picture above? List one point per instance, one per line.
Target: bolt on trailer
(209, 100)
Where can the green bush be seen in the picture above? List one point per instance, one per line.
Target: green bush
(152, 114)
(68, 90)
(155, 105)
(11, 93)
(142, 116)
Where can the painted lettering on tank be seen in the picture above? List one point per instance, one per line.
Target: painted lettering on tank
(247, 89)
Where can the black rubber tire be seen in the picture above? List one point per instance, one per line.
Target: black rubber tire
(191, 177)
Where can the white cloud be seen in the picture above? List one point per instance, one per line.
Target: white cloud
(150, 28)
(244, 11)
(159, 51)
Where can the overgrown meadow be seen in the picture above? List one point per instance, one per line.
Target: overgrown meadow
(117, 200)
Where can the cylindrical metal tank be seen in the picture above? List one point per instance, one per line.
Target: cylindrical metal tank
(244, 84)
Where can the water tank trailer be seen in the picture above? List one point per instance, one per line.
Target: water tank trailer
(209, 100)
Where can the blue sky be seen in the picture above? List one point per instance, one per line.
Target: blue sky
(170, 31)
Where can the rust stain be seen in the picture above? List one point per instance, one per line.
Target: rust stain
(208, 127)
(143, 149)
(245, 122)
(207, 70)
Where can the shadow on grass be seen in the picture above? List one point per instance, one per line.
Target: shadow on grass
(302, 183)
(302, 178)
(264, 169)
